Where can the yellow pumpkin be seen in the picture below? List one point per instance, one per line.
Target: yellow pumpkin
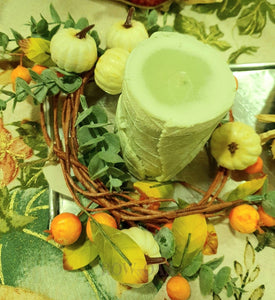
(109, 70)
(73, 50)
(235, 145)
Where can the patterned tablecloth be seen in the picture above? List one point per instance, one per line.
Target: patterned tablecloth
(242, 30)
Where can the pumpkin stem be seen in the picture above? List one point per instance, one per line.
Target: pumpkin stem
(81, 34)
(128, 22)
(232, 147)
(155, 260)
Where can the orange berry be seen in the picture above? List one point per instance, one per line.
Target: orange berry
(244, 218)
(256, 167)
(168, 225)
(178, 288)
(265, 219)
(38, 69)
(21, 72)
(102, 218)
(65, 229)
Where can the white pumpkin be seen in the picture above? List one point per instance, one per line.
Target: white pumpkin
(73, 52)
(148, 245)
(127, 34)
(235, 145)
(109, 70)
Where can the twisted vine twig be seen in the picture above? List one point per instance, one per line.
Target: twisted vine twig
(122, 205)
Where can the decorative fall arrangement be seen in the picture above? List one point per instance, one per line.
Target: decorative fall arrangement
(139, 233)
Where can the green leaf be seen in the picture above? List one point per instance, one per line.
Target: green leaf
(82, 23)
(91, 144)
(114, 183)
(221, 279)
(194, 266)
(189, 25)
(3, 105)
(112, 141)
(69, 84)
(19, 221)
(127, 266)
(97, 167)
(79, 255)
(95, 36)
(17, 35)
(206, 280)
(110, 157)
(224, 10)
(55, 16)
(252, 19)
(269, 203)
(4, 40)
(40, 93)
(266, 239)
(214, 263)
(250, 50)
(4, 227)
(165, 240)
(42, 27)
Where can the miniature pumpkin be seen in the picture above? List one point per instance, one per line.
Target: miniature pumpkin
(235, 145)
(109, 70)
(126, 34)
(148, 245)
(73, 50)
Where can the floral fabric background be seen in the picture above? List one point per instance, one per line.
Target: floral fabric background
(244, 32)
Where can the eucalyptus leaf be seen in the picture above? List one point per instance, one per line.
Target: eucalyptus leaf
(166, 242)
(194, 266)
(221, 279)
(110, 157)
(83, 115)
(112, 141)
(35, 76)
(54, 14)
(96, 167)
(17, 35)
(269, 203)
(4, 40)
(3, 105)
(40, 93)
(82, 23)
(206, 280)
(92, 143)
(114, 183)
(214, 263)
(42, 27)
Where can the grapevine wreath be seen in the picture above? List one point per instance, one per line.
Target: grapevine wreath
(61, 83)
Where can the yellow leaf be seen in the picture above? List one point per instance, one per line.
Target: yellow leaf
(79, 256)
(120, 255)
(273, 149)
(246, 189)
(211, 244)
(191, 227)
(153, 189)
(37, 50)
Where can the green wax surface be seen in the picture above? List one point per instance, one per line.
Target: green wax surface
(173, 77)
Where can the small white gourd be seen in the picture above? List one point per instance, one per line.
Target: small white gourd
(73, 50)
(148, 245)
(126, 34)
(109, 70)
(235, 145)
